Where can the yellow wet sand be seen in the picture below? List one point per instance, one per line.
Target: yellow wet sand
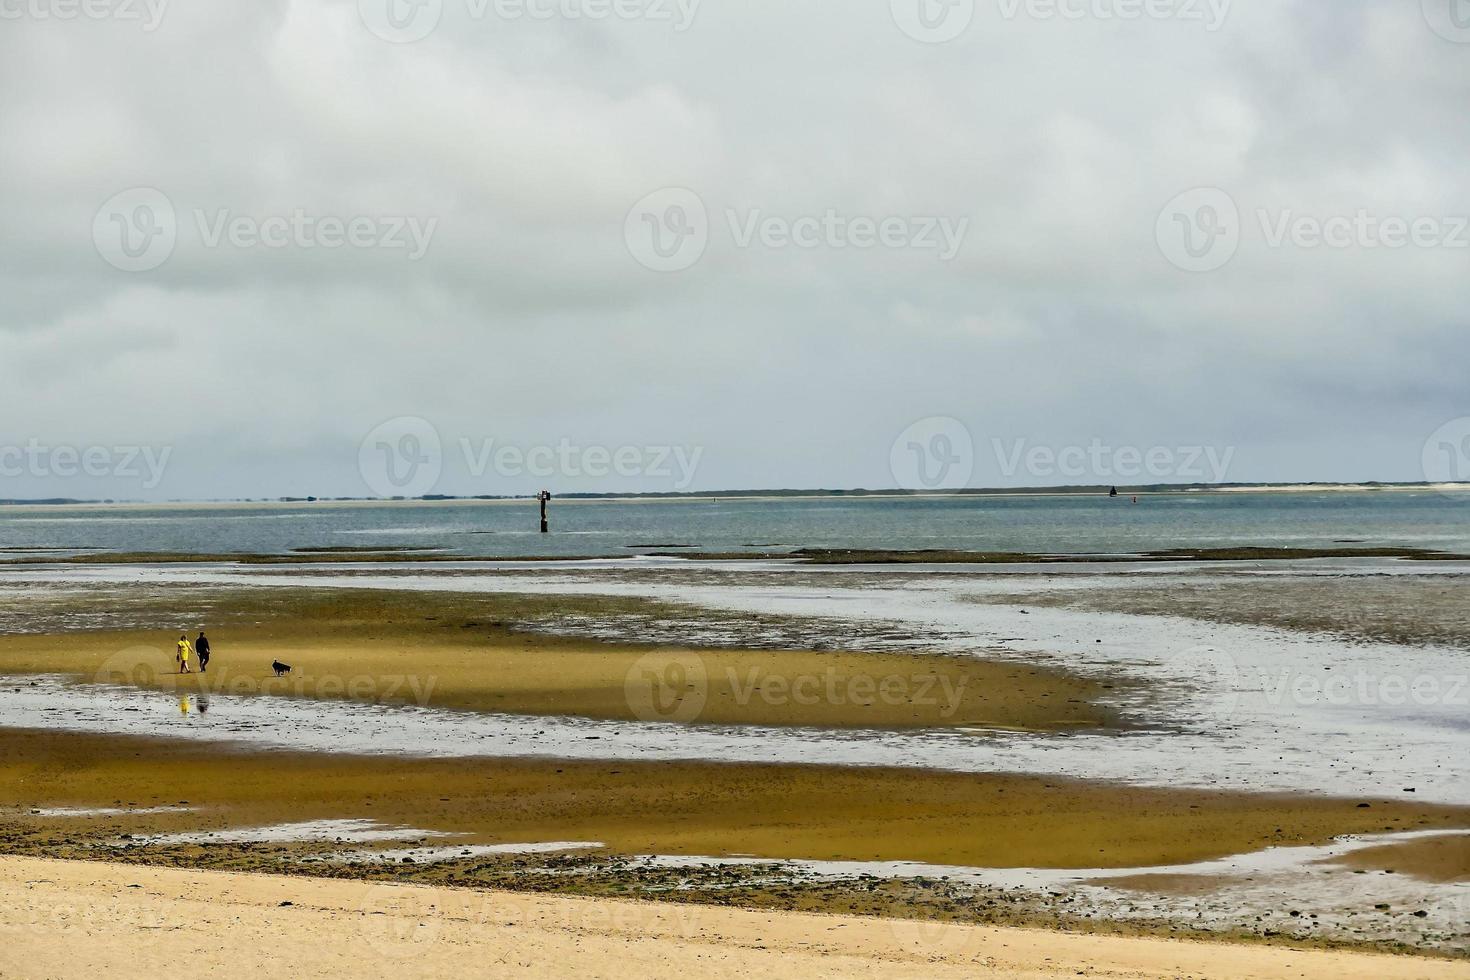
(1440, 859)
(784, 811)
(81, 920)
(457, 652)
(451, 651)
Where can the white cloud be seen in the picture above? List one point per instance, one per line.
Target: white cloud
(528, 320)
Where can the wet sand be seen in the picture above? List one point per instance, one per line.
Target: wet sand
(787, 811)
(147, 922)
(1410, 610)
(459, 652)
(1437, 859)
(812, 556)
(473, 653)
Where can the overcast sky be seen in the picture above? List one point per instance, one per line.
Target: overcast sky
(484, 246)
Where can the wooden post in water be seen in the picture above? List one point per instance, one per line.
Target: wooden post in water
(544, 496)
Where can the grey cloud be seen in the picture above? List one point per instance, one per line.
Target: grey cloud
(527, 319)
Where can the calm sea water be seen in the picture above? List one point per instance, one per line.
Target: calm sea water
(1083, 525)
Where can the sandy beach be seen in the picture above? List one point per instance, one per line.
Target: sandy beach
(974, 750)
(65, 919)
(654, 488)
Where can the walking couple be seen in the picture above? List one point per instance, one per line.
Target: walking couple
(186, 652)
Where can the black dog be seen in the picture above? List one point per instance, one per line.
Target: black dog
(280, 668)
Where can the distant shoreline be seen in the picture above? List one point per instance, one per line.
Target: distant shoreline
(694, 497)
(802, 556)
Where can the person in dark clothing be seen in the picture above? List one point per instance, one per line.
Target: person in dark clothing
(201, 647)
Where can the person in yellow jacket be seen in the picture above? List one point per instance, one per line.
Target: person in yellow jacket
(183, 655)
